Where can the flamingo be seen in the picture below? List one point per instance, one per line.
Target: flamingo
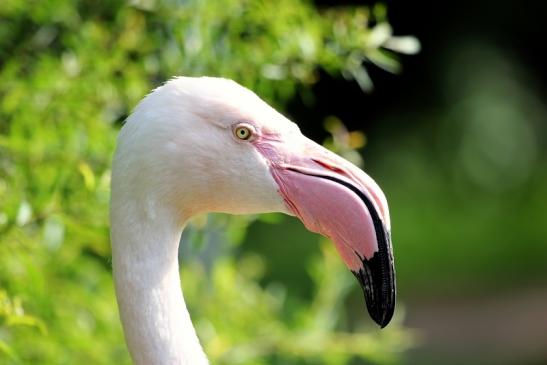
(198, 145)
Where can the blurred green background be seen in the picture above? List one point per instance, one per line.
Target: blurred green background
(456, 140)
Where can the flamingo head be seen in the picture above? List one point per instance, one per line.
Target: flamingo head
(211, 145)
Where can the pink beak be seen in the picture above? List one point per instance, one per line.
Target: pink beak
(335, 198)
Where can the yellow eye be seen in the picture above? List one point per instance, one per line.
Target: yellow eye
(243, 133)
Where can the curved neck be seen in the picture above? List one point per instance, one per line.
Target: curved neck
(156, 323)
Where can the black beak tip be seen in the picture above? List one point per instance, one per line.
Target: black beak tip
(382, 316)
(377, 279)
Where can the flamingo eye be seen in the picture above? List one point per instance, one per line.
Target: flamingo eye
(243, 132)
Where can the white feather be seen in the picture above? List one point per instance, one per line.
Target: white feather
(176, 157)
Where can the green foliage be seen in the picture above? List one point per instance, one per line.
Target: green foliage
(70, 71)
(12, 314)
(252, 328)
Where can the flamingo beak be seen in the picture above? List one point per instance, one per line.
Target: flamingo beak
(333, 197)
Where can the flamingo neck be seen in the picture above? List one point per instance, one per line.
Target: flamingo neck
(157, 326)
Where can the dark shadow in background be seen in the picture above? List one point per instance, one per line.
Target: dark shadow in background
(468, 229)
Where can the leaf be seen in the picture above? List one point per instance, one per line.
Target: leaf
(385, 61)
(405, 45)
